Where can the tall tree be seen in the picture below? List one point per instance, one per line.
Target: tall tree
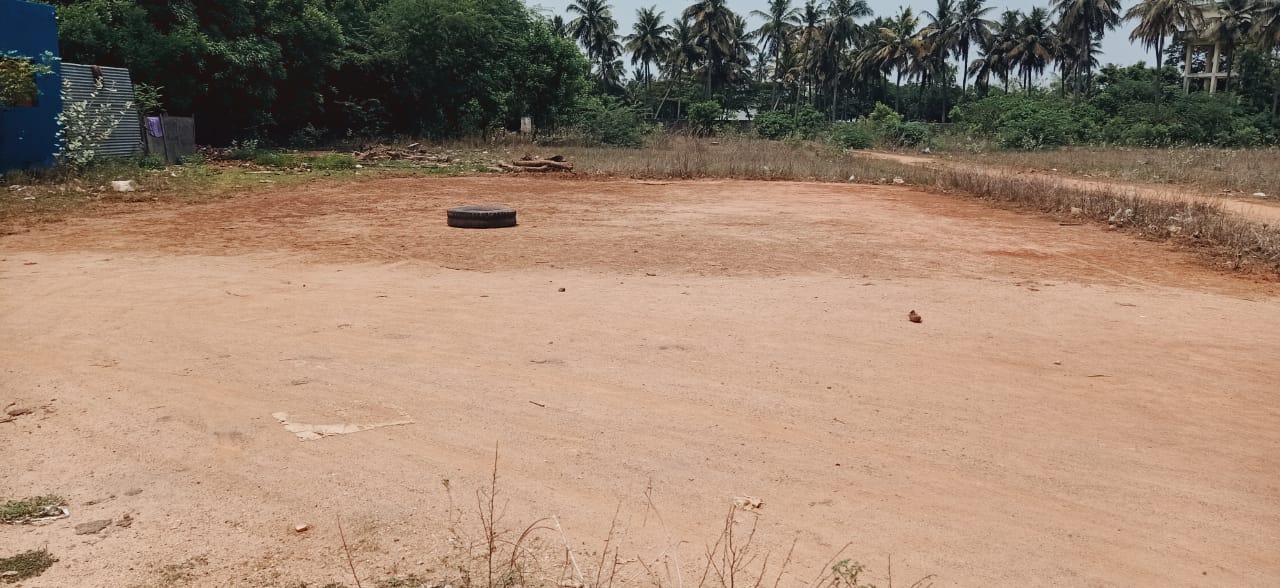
(648, 42)
(809, 44)
(1084, 21)
(1159, 20)
(842, 31)
(712, 24)
(559, 27)
(776, 32)
(997, 49)
(1032, 49)
(972, 27)
(1268, 33)
(893, 48)
(1233, 24)
(684, 54)
(596, 29)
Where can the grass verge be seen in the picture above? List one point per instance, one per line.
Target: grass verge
(1229, 241)
(1208, 169)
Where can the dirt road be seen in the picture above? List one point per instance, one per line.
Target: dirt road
(1076, 408)
(1263, 210)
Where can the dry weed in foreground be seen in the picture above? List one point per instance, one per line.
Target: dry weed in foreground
(541, 554)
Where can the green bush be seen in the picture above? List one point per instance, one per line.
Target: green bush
(809, 122)
(333, 161)
(982, 117)
(273, 159)
(805, 123)
(151, 162)
(913, 134)
(606, 120)
(1032, 126)
(704, 117)
(1126, 110)
(244, 150)
(884, 119)
(852, 136)
(888, 128)
(774, 125)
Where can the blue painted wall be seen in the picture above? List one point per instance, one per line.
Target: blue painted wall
(29, 135)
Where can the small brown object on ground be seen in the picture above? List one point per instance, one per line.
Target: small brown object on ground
(19, 411)
(92, 527)
(301, 528)
(913, 317)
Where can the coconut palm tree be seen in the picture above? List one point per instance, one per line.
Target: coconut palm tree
(683, 54)
(1084, 21)
(609, 76)
(842, 25)
(997, 48)
(842, 31)
(712, 24)
(1268, 35)
(938, 41)
(1234, 24)
(775, 34)
(893, 48)
(595, 29)
(809, 46)
(1159, 20)
(648, 42)
(972, 27)
(1072, 59)
(558, 27)
(1032, 49)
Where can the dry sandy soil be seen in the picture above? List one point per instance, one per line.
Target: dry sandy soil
(1077, 407)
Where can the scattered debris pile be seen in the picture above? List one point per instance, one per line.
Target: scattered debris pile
(410, 152)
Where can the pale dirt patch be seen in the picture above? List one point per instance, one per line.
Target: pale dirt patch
(714, 340)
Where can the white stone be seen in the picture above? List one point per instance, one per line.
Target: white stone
(124, 186)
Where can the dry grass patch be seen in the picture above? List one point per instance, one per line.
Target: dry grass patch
(1208, 169)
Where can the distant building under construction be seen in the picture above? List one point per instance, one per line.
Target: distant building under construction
(1205, 67)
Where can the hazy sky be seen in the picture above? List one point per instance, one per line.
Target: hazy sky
(1116, 46)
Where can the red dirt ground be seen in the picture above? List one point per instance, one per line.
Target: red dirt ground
(1077, 407)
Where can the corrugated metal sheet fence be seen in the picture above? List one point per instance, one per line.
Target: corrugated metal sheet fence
(113, 95)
